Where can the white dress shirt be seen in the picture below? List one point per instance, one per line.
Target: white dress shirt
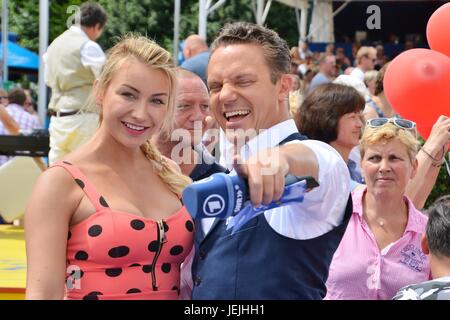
(358, 74)
(322, 209)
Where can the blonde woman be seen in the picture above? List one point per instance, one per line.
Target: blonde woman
(381, 248)
(106, 222)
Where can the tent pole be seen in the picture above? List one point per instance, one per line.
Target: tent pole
(320, 25)
(202, 19)
(5, 39)
(176, 31)
(43, 43)
(303, 17)
(259, 11)
(266, 11)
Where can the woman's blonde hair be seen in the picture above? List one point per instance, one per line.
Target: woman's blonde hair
(151, 54)
(388, 132)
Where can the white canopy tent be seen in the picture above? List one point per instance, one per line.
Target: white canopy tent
(321, 29)
(322, 26)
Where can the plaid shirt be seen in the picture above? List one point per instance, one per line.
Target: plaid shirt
(25, 120)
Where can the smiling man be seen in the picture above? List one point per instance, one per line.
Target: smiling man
(184, 145)
(284, 253)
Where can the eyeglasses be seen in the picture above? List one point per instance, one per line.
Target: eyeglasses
(398, 122)
(370, 58)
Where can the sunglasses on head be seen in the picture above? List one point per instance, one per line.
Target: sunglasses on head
(398, 122)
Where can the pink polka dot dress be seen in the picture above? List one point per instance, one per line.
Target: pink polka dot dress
(118, 255)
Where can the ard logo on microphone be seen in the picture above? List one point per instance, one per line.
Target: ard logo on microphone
(213, 205)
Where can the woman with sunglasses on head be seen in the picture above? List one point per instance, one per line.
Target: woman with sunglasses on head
(381, 248)
(431, 155)
(107, 221)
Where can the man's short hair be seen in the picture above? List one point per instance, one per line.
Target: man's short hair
(438, 227)
(185, 73)
(17, 96)
(323, 57)
(91, 14)
(319, 114)
(275, 49)
(365, 52)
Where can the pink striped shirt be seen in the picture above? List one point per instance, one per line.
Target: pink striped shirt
(26, 121)
(360, 271)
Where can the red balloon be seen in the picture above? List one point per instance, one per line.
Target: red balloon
(417, 84)
(438, 30)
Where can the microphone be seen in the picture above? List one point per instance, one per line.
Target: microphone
(222, 195)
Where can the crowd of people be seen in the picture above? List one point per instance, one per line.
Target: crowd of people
(106, 220)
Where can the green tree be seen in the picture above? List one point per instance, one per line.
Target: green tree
(148, 17)
(441, 187)
(61, 14)
(24, 20)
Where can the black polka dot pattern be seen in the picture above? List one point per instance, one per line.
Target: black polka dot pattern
(116, 253)
(113, 272)
(137, 224)
(176, 250)
(135, 265)
(103, 202)
(80, 183)
(95, 230)
(134, 290)
(81, 255)
(166, 267)
(147, 268)
(189, 226)
(92, 295)
(175, 288)
(119, 252)
(153, 246)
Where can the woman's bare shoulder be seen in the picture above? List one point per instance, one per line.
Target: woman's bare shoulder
(56, 185)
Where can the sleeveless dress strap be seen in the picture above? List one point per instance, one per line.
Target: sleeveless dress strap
(96, 199)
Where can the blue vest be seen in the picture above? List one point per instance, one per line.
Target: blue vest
(257, 263)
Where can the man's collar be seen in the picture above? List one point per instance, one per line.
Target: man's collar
(266, 139)
(271, 137)
(77, 28)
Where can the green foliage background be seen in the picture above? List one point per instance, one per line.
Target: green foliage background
(153, 18)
